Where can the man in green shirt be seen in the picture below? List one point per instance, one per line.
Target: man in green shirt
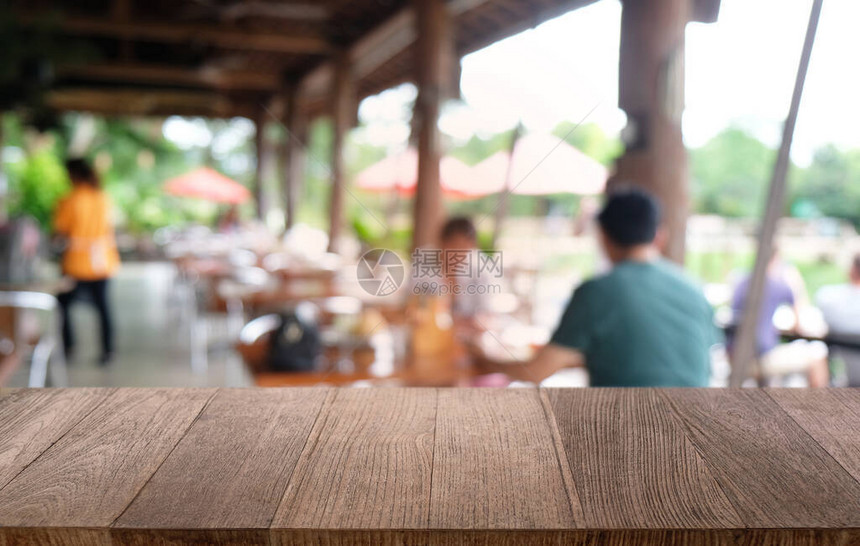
(644, 323)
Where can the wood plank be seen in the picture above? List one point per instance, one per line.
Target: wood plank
(444, 537)
(206, 76)
(89, 476)
(33, 419)
(831, 417)
(182, 537)
(231, 469)
(495, 464)
(185, 33)
(772, 471)
(367, 464)
(7, 391)
(130, 101)
(580, 537)
(54, 536)
(633, 466)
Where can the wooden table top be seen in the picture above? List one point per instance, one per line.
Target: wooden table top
(419, 466)
(47, 286)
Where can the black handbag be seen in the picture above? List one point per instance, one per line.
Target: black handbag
(294, 345)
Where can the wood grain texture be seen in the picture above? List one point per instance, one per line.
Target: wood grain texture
(575, 537)
(831, 417)
(54, 536)
(89, 476)
(425, 537)
(189, 536)
(495, 464)
(446, 467)
(231, 469)
(367, 463)
(772, 471)
(33, 419)
(633, 466)
(6, 391)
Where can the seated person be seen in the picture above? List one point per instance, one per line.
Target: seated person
(459, 245)
(783, 286)
(840, 305)
(642, 324)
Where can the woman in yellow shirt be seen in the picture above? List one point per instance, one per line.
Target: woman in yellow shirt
(90, 258)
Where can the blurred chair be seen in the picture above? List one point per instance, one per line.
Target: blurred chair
(41, 343)
(845, 347)
(221, 295)
(253, 344)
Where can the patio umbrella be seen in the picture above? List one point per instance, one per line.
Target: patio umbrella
(208, 184)
(400, 173)
(543, 165)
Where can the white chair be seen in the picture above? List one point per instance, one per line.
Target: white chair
(45, 357)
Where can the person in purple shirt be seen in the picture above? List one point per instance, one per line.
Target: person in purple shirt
(776, 359)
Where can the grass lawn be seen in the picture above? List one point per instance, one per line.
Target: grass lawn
(719, 266)
(714, 267)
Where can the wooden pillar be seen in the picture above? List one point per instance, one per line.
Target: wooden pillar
(343, 110)
(260, 152)
(651, 92)
(434, 54)
(293, 168)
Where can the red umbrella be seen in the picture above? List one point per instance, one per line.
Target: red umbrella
(543, 165)
(400, 173)
(208, 184)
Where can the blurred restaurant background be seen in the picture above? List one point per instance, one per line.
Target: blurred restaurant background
(273, 164)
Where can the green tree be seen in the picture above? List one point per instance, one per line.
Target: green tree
(730, 174)
(37, 183)
(831, 184)
(477, 149)
(590, 139)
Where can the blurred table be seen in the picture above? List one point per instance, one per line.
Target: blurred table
(429, 466)
(47, 286)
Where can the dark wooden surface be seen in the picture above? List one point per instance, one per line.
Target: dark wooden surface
(440, 466)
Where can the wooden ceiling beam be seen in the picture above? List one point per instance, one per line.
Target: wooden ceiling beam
(136, 102)
(216, 35)
(205, 77)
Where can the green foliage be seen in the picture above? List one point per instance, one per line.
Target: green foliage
(367, 231)
(140, 161)
(133, 158)
(831, 185)
(317, 186)
(477, 149)
(821, 273)
(590, 139)
(717, 266)
(36, 185)
(730, 174)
